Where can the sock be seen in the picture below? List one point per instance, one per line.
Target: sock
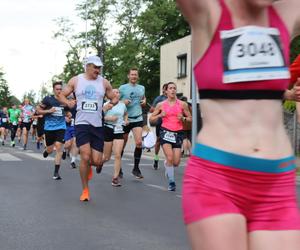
(156, 158)
(56, 169)
(73, 158)
(169, 172)
(137, 157)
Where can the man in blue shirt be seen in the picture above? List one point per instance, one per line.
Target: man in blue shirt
(133, 95)
(55, 125)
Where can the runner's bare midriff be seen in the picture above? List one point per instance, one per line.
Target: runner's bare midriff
(245, 127)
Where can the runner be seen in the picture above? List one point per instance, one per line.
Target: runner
(70, 140)
(157, 124)
(4, 125)
(27, 113)
(239, 187)
(173, 113)
(187, 133)
(133, 95)
(115, 118)
(89, 89)
(54, 126)
(14, 115)
(40, 131)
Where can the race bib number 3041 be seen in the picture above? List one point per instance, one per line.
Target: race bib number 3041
(253, 53)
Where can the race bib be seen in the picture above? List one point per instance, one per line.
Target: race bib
(14, 123)
(253, 53)
(4, 120)
(34, 122)
(58, 111)
(89, 106)
(118, 129)
(169, 136)
(72, 122)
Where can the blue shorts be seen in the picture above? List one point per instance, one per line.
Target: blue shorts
(70, 133)
(89, 134)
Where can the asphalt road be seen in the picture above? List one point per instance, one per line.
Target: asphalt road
(37, 212)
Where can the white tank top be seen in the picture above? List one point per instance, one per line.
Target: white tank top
(89, 95)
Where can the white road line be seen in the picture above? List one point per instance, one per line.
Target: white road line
(39, 156)
(157, 187)
(8, 157)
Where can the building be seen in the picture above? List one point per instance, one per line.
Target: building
(176, 65)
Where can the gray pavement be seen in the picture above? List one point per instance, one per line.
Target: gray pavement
(37, 212)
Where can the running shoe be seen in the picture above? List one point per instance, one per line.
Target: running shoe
(116, 182)
(64, 155)
(85, 196)
(45, 153)
(121, 174)
(56, 177)
(137, 173)
(155, 165)
(172, 186)
(12, 144)
(99, 168)
(73, 165)
(90, 176)
(25, 146)
(2, 143)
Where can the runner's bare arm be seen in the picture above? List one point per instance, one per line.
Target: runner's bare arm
(108, 90)
(70, 88)
(195, 11)
(157, 113)
(186, 112)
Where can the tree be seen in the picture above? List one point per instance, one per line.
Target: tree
(5, 99)
(31, 95)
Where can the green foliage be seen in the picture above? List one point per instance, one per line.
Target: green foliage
(144, 25)
(31, 95)
(289, 106)
(5, 98)
(295, 48)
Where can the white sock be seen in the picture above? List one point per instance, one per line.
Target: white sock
(169, 172)
(73, 158)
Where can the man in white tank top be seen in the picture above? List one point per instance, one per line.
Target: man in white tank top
(90, 89)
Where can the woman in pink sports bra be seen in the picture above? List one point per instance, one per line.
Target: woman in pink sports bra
(239, 189)
(173, 112)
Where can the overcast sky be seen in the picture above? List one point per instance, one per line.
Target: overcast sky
(28, 54)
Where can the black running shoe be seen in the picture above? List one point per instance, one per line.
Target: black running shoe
(99, 168)
(2, 143)
(137, 173)
(116, 182)
(73, 165)
(56, 177)
(121, 173)
(25, 147)
(45, 153)
(64, 155)
(155, 165)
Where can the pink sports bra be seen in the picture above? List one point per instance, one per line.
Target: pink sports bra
(209, 70)
(170, 121)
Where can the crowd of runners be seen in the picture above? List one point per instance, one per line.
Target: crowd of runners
(89, 120)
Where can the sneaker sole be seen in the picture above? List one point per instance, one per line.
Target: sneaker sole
(137, 177)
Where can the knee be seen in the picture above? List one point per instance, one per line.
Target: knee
(118, 157)
(85, 157)
(138, 144)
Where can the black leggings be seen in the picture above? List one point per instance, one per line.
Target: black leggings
(13, 131)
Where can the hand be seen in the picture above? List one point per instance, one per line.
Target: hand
(52, 110)
(71, 103)
(162, 113)
(143, 102)
(127, 101)
(180, 117)
(296, 91)
(126, 122)
(108, 106)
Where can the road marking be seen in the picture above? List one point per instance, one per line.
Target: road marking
(39, 156)
(8, 157)
(157, 187)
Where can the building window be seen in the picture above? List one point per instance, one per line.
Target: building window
(182, 66)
